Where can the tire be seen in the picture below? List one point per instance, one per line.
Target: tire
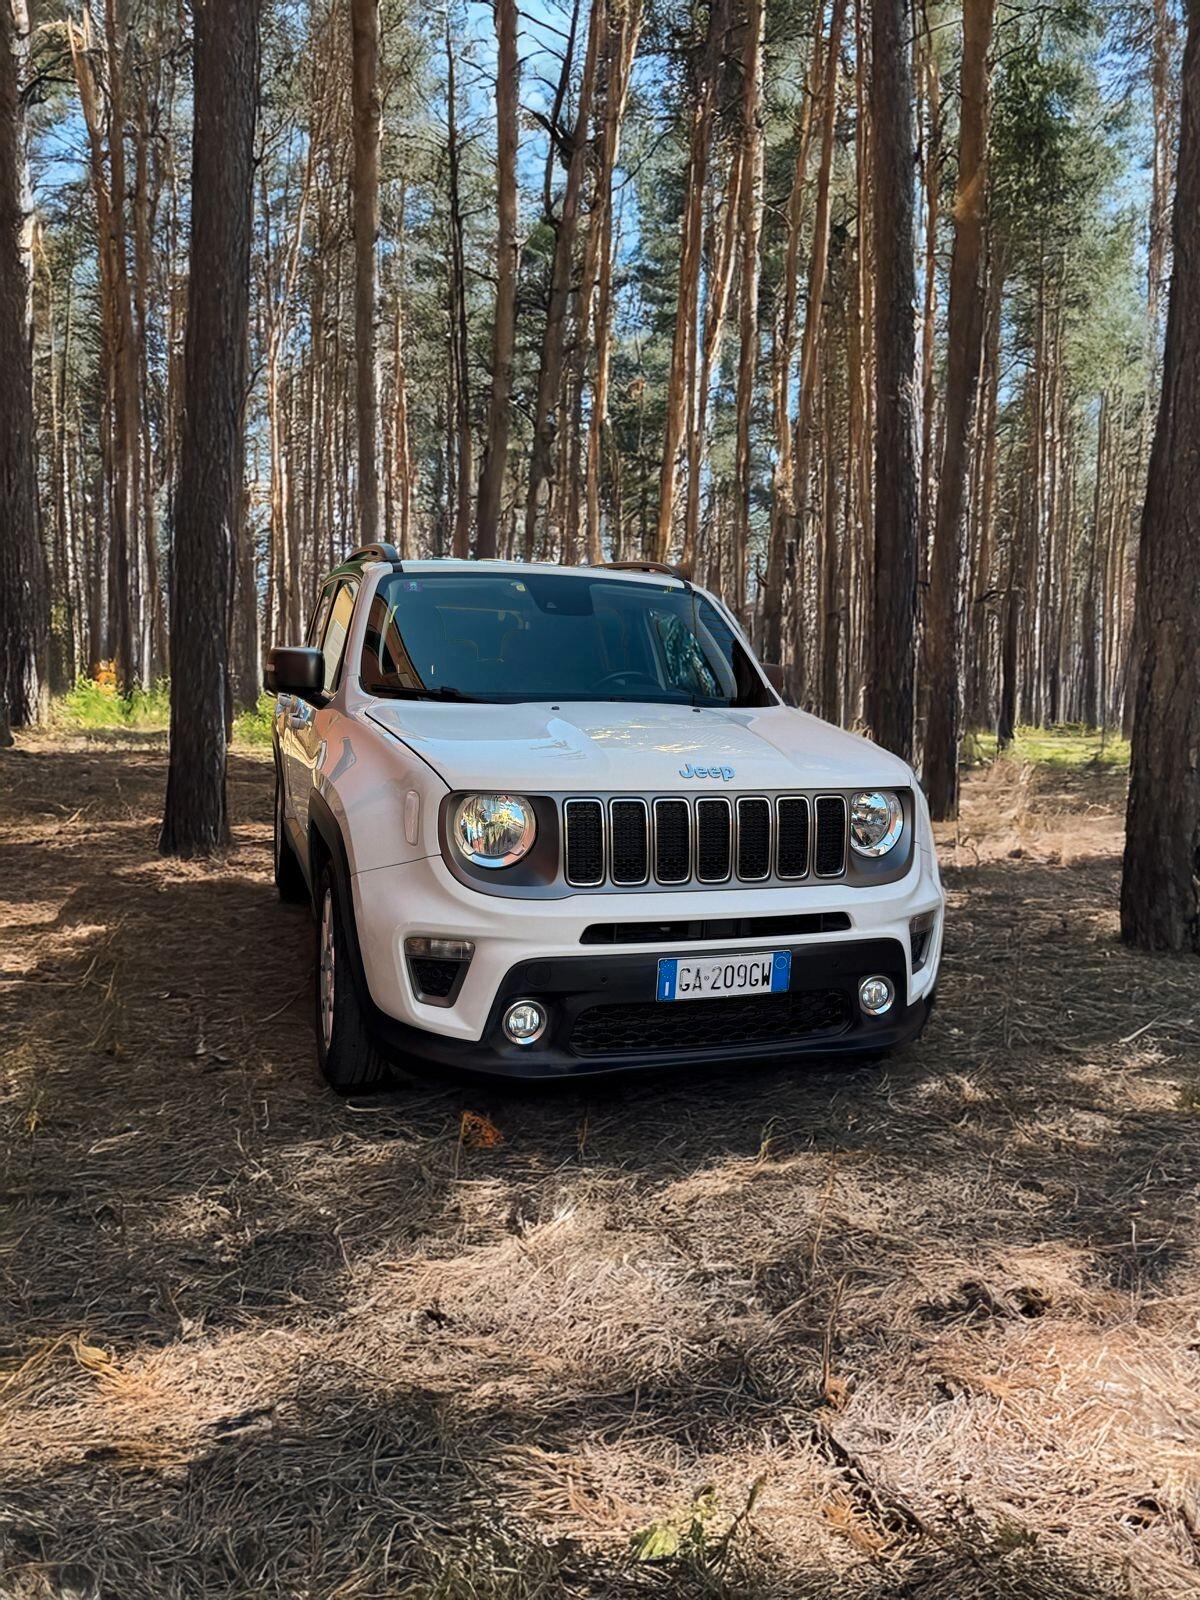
(289, 874)
(349, 1058)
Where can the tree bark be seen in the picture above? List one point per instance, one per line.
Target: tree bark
(1160, 886)
(944, 621)
(364, 82)
(751, 207)
(23, 619)
(889, 694)
(459, 332)
(550, 366)
(504, 328)
(683, 346)
(195, 820)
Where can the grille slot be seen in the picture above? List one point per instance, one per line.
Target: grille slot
(753, 839)
(793, 836)
(629, 841)
(672, 841)
(650, 1028)
(829, 855)
(584, 841)
(714, 840)
(712, 928)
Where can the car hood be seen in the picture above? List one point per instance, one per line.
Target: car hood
(605, 746)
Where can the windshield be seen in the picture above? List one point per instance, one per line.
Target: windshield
(533, 636)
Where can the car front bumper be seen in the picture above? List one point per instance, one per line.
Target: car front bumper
(603, 1015)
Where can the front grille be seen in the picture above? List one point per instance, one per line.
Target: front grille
(829, 857)
(655, 1027)
(630, 841)
(585, 841)
(714, 840)
(672, 841)
(703, 839)
(754, 838)
(792, 861)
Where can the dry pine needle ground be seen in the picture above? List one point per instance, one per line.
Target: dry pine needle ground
(930, 1330)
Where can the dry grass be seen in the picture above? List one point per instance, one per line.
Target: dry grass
(929, 1331)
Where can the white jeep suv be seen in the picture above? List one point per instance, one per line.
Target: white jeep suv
(557, 821)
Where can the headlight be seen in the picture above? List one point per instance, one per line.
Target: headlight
(876, 821)
(494, 830)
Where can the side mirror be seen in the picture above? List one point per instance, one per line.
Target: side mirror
(774, 673)
(292, 669)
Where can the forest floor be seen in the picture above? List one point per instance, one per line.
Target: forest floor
(930, 1329)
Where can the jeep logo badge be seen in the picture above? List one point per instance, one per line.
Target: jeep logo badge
(706, 772)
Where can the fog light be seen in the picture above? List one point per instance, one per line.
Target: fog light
(875, 996)
(525, 1021)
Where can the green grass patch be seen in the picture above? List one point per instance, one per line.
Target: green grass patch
(92, 706)
(253, 728)
(1067, 747)
(98, 705)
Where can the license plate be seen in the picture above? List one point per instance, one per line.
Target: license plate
(716, 977)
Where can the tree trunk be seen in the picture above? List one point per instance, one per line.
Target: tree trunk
(790, 529)
(1160, 887)
(889, 696)
(751, 206)
(550, 367)
(459, 333)
(683, 346)
(622, 47)
(23, 620)
(364, 82)
(504, 329)
(195, 821)
(944, 624)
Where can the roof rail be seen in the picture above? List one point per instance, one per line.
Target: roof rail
(379, 552)
(646, 566)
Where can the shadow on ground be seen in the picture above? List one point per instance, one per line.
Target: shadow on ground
(921, 1330)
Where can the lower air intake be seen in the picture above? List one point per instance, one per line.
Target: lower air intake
(655, 1028)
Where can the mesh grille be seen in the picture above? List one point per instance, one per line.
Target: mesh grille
(793, 838)
(672, 840)
(754, 838)
(830, 852)
(654, 1027)
(585, 841)
(714, 848)
(630, 842)
(435, 979)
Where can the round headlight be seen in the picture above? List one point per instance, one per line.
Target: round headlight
(494, 830)
(876, 822)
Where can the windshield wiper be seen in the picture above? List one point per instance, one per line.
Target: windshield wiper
(445, 693)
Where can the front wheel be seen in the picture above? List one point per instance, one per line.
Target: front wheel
(347, 1054)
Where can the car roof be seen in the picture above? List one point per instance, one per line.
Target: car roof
(632, 573)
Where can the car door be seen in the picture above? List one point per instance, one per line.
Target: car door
(311, 722)
(293, 714)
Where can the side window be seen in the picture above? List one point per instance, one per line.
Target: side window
(333, 645)
(316, 625)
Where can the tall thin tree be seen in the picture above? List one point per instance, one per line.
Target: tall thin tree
(22, 586)
(891, 665)
(944, 622)
(504, 327)
(1160, 887)
(368, 122)
(195, 820)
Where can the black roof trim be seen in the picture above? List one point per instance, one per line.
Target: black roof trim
(376, 552)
